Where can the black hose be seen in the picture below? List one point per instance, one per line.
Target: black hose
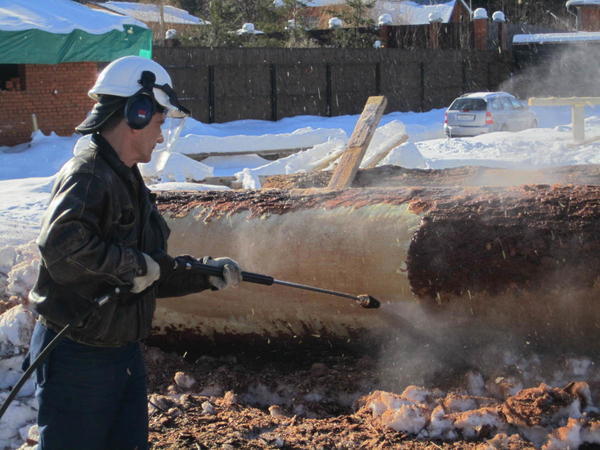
(34, 365)
(98, 302)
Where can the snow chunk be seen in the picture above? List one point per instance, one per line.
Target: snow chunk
(565, 437)
(16, 326)
(184, 380)
(484, 420)
(440, 425)
(409, 418)
(18, 415)
(167, 166)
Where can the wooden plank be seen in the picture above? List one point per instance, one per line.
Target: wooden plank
(564, 101)
(359, 141)
(264, 153)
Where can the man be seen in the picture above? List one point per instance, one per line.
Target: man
(102, 231)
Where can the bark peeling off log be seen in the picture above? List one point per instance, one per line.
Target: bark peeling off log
(530, 238)
(457, 176)
(258, 203)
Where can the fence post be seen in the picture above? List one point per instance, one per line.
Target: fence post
(328, 89)
(480, 29)
(434, 34)
(273, 72)
(422, 69)
(501, 30)
(211, 94)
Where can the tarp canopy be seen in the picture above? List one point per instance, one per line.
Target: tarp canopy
(57, 31)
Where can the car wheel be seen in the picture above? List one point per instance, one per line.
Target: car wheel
(503, 128)
(534, 124)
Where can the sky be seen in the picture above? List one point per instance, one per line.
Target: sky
(27, 173)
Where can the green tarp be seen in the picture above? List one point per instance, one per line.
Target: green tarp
(41, 47)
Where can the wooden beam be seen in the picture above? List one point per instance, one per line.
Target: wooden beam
(563, 101)
(577, 112)
(358, 143)
(264, 153)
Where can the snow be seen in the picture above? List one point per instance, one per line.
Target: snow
(553, 38)
(480, 13)
(59, 17)
(27, 173)
(148, 12)
(415, 13)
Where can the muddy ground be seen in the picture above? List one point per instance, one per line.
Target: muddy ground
(329, 401)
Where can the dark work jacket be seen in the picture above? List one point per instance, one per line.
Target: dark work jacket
(100, 219)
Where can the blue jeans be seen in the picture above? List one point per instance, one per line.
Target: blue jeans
(90, 397)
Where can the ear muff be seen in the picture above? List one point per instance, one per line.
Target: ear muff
(139, 110)
(141, 106)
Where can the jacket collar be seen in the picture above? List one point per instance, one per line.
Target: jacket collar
(100, 145)
(105, 150)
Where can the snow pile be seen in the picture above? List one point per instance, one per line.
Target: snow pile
(550, 417)
(18, 269)
(16, 325)
(302, 137)
(386, 143)
(167, 166)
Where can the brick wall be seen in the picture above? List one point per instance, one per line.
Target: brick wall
(57, 94)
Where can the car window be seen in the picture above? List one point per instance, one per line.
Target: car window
(508, 106)
(496, 104)
(516, 103)
(469, 104)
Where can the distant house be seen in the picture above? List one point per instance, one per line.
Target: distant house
(401, 12)
(158, 19)
(49, 56)
(587, 12)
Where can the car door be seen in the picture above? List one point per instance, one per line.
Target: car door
(513, 121)
(521, 113)
(498, 113)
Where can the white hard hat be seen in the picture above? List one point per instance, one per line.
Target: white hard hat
(122, 78)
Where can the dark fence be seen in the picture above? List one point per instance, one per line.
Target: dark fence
(442, 35)
(220, 85)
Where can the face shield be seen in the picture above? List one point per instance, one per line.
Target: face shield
(166, 97)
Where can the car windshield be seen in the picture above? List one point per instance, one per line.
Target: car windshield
(468, 104)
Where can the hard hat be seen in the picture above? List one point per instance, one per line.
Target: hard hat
(122, 78)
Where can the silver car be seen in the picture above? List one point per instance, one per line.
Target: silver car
(484, 112)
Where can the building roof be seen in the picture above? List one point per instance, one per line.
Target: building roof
(556, 38)
(418, 12)
(582, 3)
(59, 16)
(57, 31)
(148, 12)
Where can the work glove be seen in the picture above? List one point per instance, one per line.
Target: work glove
(142, 282)
(232, 273)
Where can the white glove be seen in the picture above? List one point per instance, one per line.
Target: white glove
(232, 273)
(152, 274)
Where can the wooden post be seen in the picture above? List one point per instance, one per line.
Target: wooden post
(577, 105)
(578, 116)
(162, 20)
(480, 33)
(358, 143)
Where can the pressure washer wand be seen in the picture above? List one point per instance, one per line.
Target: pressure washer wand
(366, 301)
